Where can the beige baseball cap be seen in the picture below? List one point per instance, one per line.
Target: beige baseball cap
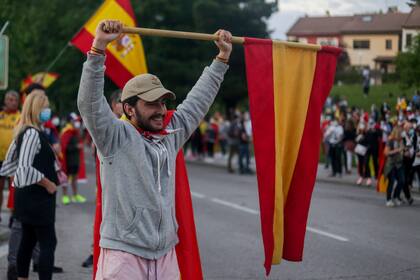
(147, 87)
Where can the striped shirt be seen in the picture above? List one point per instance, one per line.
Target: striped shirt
(21, 167)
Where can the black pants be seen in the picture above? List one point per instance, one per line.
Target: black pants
(336, 152)
(408, 175)
(363, 166)
(375, 157)
(396, 174)
(45, 235)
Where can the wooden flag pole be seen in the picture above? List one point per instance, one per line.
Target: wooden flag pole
(203, 36)
(177, 34)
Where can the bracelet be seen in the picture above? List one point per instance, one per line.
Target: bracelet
(97, 51)
(221, 59)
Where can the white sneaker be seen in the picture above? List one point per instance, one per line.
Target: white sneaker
(359, 181)
(390, 203)
(397, 202)
(369, 182)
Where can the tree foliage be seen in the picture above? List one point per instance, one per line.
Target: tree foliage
(413, 3)
(408, 65)
(39, 31)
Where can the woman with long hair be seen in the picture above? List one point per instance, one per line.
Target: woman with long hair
(32, 162)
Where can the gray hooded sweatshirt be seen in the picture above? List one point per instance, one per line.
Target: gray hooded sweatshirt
(137, 174)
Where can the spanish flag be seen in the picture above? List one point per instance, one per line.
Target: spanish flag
(382, 184)
(125, 56)
(43, 78)
(287, 87)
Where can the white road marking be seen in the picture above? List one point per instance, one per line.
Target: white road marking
(235, 206)
(4, 249)
(197, 195)
(327, 234)
(254, 212)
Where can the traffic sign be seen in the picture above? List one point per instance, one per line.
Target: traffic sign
(4, 61)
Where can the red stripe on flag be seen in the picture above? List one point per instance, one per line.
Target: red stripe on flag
(187, 251)
(301, 187)
(126, 5)
(114, 69)
(82, 40)
(98, 217)
(259, 72)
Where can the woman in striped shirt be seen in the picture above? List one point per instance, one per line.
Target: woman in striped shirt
(32, 162)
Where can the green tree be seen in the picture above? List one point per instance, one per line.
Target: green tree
(408, 65)
(413, 3)
(38, 32)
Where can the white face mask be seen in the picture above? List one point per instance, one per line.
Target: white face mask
(77, 124)
(55, 121)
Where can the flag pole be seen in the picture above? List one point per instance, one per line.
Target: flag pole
(203, 36)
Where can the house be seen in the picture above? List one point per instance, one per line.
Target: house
(410, 28)
(374, 40)
(370, 40)
(318, 30)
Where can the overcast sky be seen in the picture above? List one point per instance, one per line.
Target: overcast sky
(291, 10)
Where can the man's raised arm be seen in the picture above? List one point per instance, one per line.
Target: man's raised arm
(105, 129)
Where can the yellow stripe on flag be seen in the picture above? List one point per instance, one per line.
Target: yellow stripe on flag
(129, 49)
(293, 74)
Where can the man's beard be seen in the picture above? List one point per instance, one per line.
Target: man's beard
(145, 123)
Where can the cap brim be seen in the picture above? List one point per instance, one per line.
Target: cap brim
(157, 93)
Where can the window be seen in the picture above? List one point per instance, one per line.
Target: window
(361, 44)
(367, 18)
(408, 40)
(327, 41)
(303, 40)
(388, 44)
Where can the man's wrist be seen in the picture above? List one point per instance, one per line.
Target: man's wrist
(101, 45)
(223, 55)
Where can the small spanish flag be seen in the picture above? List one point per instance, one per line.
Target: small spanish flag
(287, 87)
(43, 78)
(125, 56)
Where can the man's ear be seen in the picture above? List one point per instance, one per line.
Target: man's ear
(128, 110)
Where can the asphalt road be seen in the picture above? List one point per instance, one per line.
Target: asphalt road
(351, 234)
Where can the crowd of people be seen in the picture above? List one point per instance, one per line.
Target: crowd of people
(220, 138)
(382, 145)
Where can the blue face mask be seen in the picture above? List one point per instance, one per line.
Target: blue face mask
(45, 115)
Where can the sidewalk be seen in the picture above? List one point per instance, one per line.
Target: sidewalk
(323, 175)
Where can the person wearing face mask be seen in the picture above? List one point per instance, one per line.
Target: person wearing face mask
(71, 149)
(32, 162)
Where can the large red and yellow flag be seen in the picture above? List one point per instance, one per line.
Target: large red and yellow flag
(287, 87)
(125, 56)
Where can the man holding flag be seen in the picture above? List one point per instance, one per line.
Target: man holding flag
(137, 160)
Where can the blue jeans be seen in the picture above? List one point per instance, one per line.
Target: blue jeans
(244, 155)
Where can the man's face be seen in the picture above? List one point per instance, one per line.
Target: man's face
(11, 102)
(149, 115)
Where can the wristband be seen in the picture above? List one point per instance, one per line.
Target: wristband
(221, 59)
(97, 51)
